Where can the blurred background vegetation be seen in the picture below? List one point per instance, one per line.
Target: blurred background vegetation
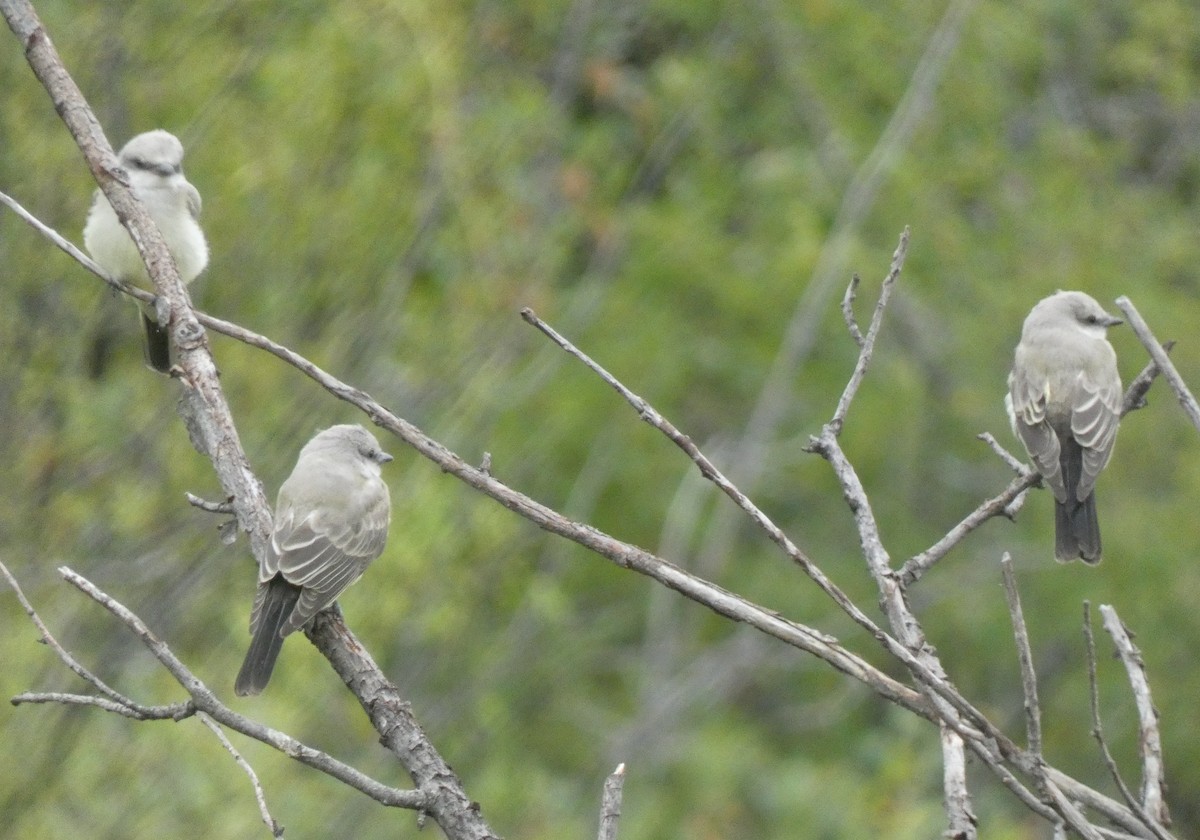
(387, 183)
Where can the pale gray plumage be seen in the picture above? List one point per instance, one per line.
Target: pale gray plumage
(154, 161)
(331, 522)
(1064, 402)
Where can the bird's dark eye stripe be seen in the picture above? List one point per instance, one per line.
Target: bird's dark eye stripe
(163, 169)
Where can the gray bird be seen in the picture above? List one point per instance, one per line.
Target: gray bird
(154, 161)
(331, 521)
(1064, 402)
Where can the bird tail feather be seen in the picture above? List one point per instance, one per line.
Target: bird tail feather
(157, 344)
(1076, 526)
(278, 602)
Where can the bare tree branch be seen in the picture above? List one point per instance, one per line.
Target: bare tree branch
(260, 795)
(710, 472)
(1033, 709)
(1006, 504)
(1022, 469)
(112, 700)
(610, 804)
(1153, 782)
(866, 346)
(961, 822)
(1098, 730)
(918, 654)
(204, 700)
(71, 250)
(848, 310)
(1159, 355)
(986, 741)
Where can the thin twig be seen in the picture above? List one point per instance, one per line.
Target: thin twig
(133, 711)
(69, 247)
(1097, 726)
(1014, 463)
(1006, 504)
(867, 345)
(848, 310)
(610, 804)
(211, 507)
(1073, 816)
(260, 795)
(1139, 386)
(1033, 709)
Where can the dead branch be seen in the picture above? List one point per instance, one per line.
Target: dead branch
(1153, 783)
(610, 804)
(1158, 353)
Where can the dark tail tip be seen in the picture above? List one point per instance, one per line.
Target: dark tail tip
(157, 345)
(279, 598)
(259, 662)
(1077, 532)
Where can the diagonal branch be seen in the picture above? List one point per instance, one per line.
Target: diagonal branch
(867, 345)
(1153, 781)
(648, 413)
(1098, 730)
(1159, 354)
(260, 795)
(1033, 709)
(610, 804)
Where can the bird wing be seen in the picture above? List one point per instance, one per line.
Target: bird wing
(1096, 411)
(1026, 402)
(324, 555)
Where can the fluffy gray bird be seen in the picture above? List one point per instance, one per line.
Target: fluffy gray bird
(154, 161)
(1064, 401)
(331, 521)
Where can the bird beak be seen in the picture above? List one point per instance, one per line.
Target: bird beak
(384, 458)
(1113, 322)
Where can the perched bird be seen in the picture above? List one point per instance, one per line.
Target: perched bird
(154, 161)
(1064, 401)
(331, 521)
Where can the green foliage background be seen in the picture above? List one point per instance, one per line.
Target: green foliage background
(386, 184)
